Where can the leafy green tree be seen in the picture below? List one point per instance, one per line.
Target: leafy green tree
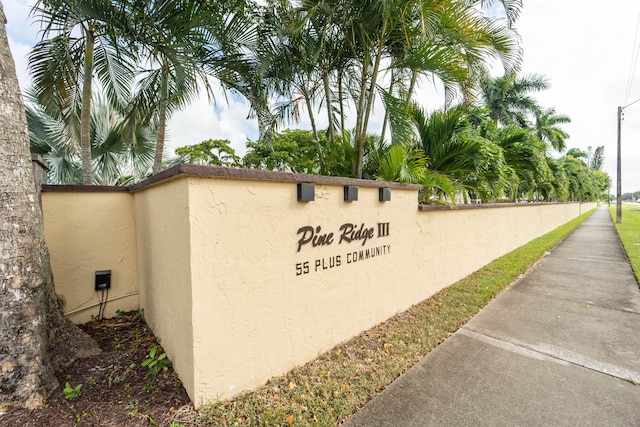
(597, 160)
(291, 150)
(79, 41)
(581, 182)
(602, 182)
(210, 152)
(556, 186)
(579, 154)
(446, 38)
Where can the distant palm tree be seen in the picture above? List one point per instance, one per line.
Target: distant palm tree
(597, 160)
(547, 128)
(455, 149)
(525, 155)
(508, 97)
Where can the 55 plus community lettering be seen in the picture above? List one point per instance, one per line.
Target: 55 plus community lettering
(347, 233)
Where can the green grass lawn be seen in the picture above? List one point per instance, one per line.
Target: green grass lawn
(330, 388)
(629, 232)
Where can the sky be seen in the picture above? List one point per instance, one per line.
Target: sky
(584, 48)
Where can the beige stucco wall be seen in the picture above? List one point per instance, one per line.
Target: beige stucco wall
(86, 232)
(163, 236)
(455, 243)
(255, 316)
(222, 276)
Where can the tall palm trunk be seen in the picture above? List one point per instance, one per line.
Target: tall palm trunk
(85, 113)
(412, 85)
(265, 126)
(329, 102)
(36, 337)
(314, 130)
(341, 101)
(386, 112)
(162, 119)
(362, 137)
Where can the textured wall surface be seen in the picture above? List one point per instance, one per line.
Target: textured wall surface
(88, 232)
(241, 281)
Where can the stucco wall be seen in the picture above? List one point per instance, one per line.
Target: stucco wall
(255, 316)
(163, 236)
(455, 243)
(232, 282)
(86, 232)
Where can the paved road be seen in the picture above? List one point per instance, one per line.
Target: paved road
(559, 348)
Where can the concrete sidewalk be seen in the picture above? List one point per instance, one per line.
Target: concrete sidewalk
(559, 348)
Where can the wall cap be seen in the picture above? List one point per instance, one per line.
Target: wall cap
(426, 208)
(185, 169)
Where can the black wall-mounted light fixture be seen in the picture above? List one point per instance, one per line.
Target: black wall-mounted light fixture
(306, 192)
(384, 194)
(350, 193)
(103, 280)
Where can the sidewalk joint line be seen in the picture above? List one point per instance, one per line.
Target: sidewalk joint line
(562, 356)
(598, 260)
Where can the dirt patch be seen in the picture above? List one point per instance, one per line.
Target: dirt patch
(114, 388)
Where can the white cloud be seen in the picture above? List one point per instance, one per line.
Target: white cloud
(201, 121)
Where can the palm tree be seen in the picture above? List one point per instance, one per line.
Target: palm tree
(181, 44)
(446, 38)
(171, 38)
(581, 182)
(83, 42)
(547, 128)
(525, 155)
(557, 185)
(455, 149)
(508, 98)
(120, 154)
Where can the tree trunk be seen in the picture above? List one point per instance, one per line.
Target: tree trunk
(329, 103)
(265, 126)
(360, 132)
(341, 101)
(412, 85)
(35, 337)
(314, 131)
(162, 119)
(386, 112)
(362, 138)
(85, 114)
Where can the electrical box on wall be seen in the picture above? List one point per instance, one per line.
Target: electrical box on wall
(103, 280)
